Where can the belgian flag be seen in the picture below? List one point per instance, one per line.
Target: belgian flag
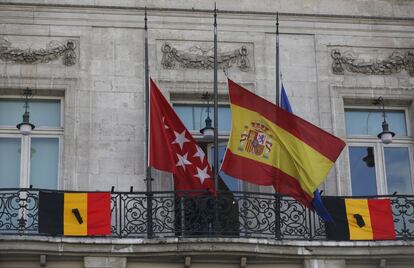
(75, 214)
(359, 219)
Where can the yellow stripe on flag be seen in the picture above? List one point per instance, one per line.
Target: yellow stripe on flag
(287, 152)
(71, 225)
(358, 206)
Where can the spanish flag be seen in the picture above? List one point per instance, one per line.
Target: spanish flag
(360, 219)
(75, 214)
(270, 146)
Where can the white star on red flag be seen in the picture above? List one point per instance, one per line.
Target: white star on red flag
(202, 174)
(180, 139)
(200, 153)
(182, 161)
(165, 125)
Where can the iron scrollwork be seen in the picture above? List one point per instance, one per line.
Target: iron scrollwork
(53, 51)
(199, 58)
(183, 214)
(293, 219)
(403, 210)
(18, 212)
(394, 64)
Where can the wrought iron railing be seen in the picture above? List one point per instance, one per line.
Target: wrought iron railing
(187, 214)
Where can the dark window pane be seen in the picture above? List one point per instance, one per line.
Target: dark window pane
(369, 122)
(397, 167)
(362, 163)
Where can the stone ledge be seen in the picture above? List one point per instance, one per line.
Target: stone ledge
(352, 8)
(72, 246)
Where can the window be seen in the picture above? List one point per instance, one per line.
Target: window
(193, 117)
(377, 168)
(44, 142)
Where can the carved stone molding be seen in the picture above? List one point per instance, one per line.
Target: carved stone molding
(396, 62)
(199, 58)
(53, 51)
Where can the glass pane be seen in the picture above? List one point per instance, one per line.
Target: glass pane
(44, 163)
(194, 116)
(362, 163)
(200, 115)
(369, 122)
(230, 183)
(224, 121)
(42, 112)
(397, 167)
(10, 162)
(185, 113)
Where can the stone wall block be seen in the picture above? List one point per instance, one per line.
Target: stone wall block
(321, 263)
(105, 262)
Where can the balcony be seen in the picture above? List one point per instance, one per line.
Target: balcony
(191, 214)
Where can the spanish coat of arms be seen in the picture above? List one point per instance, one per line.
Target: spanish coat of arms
(256, 139)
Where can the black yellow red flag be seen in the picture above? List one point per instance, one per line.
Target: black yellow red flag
(359, 219)
(75, 214)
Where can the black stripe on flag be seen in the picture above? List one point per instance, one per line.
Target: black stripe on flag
(51, 213)
(339, 230)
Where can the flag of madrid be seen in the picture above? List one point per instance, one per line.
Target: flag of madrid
(173, 148)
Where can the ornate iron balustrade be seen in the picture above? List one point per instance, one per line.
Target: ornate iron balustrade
(187, 214)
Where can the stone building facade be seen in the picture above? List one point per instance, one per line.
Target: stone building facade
(88, 56)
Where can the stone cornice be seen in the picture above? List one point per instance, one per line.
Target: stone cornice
(34, 18)
(206, 246)
(134, 9)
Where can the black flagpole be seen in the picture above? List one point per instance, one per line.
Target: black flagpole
(277, 61)
(216, 165)
(148, 168)
(277, 196)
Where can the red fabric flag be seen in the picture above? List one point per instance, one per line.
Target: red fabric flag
(173, 148)
(271, 146)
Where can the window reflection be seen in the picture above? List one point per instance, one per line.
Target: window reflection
(397, 167)
(369, 159)
(369, 122)
(362, 163)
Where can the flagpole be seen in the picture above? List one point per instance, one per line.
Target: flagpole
(277, 61)
(147, 108)
(277, 196)
(216, 167)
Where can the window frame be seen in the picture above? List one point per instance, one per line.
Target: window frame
(379, 154)
(7, 131)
